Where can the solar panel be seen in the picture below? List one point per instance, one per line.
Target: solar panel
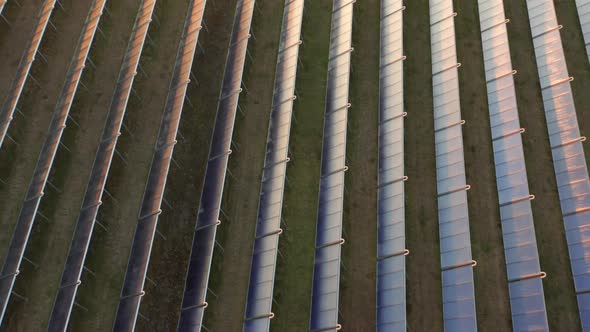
(569, 161)
(30, 205)
(455, 243)
(24, 67)
(199, 267)
(326, 272)
(143, 239)
(584, 14)
(391, 245)
(518, 230)
(268, 226)
(74, 265)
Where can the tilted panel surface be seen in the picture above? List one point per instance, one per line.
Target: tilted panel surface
(453, 216)
(199, 265)
(72, 273)
(268, 227)
(391, 244)
(326, 272)
(518, 231)
(139, 257)
(24, 67)
(569, 161)
(28, 212)
(584, 14)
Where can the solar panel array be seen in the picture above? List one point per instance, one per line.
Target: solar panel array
(391, 244)
(584, 14)
(199, 266)
(268, 226)
(24, 67)
(71, 277)
(569, 161)
(326, 272)
(520, 245)
(149, 212)
(455, 242)
(34, 194)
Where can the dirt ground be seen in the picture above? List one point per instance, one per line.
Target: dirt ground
(14, 38)
(295, 263)
(357, 290)
(491, 286)
(109, 251)
(424, 291)
(71, 170)
(37, 104)
(559, 290)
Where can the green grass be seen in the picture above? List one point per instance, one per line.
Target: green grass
(295, 264)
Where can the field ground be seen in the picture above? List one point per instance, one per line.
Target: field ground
(49, 245)
(295, 264)
(491, 287)
(360, 219)
(14, 39)
(424, 291)
(108, 256)
(169, 261)
(559, 292)
(109, 251)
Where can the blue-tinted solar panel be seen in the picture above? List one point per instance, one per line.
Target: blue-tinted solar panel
(453, 217)
(199, 266)
(391, 250)
(570, 167)
(520, 244)
(262, 272)
(326, 275)
(584, 14)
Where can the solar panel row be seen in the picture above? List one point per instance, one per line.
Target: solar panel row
(326, 271)
(455, 242)
(24, 68)
(199, 266)
(391, 244)
(520, 245)
(584, 14)
(71, 277)
(19, 240)
(569, 161)
(137, 266)
(268, 226)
